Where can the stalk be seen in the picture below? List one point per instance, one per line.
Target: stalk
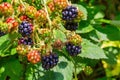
(49, 20)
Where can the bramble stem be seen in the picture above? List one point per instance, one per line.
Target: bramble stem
(49, 20)
(75, 72)
(22, 3)
(104, 21)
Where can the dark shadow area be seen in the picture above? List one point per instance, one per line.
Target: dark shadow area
(62, 64)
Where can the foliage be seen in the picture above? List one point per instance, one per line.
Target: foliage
(100, 56)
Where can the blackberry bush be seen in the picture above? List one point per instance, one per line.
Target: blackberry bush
(25, 28)
(42, 34)
(49, 61)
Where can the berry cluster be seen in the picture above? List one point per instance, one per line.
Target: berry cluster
(49, 61)
(38, 28)
(69, 14)
(72, 49)
(26, 29)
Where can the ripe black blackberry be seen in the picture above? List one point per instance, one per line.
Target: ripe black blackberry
(69, 13)
(72, 49)
(49, 61)
(72, 26)
(2, 33)
(25, 28)
(25, 41)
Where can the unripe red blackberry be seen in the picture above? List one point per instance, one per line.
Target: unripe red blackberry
(51, 6)
(6, 9)
(25, 41)
(41, 15)
(12, 23)
(49, 61)
(72, 26)
(21, 9)
(34, 56)
(72, 49)
(60, 4)
(25, 28)
(69, 13)
(25, 18)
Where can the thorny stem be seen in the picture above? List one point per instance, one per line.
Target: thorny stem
(12, 1)
(75, 72)
(103, 20)
(22, 3)
(49, 20)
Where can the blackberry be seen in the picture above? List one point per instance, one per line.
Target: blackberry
(72, 26)
(72, 49)
(49, 61)
(25, 28)
(25, 41)
(2, 33)
(69, 13)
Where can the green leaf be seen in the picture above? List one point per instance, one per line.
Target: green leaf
(12, 68)
(7, 46)
(83, 9)
(115, 23)
(13, 51)
(92, 51)
(107, 33)
(99, 15)
(86, 29)
(94, 36)
(4, 38)
(59, 35)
